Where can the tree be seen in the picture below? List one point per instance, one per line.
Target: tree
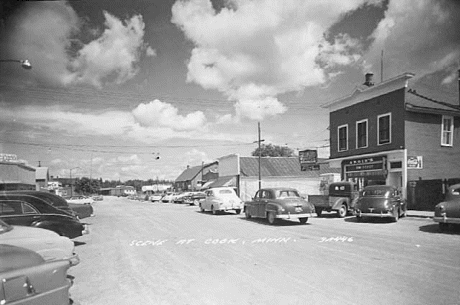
(87, 186)
(271, 150)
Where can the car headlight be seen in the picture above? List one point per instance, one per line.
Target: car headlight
(281, 209)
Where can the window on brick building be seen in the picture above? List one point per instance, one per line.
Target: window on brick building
(361, 134)
(384, 128)
(342, 132)
(447, 130)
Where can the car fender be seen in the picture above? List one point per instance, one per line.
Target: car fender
(338, 203)
(272, 207)
(49, 225)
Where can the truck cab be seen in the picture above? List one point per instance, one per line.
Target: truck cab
(342, 199)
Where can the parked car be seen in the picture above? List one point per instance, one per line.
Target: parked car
(80, 200)
(221, 199)
(380, 201)
(342, 198)
(194, 198)
(448, 211)
(181, 197)
(78, 210)
(279, 203)
(47, 243)
(28, 210)
(98, 197)
(167, 197)
(26, 278)
(155, 197)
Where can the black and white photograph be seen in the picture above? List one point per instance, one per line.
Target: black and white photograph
(230, 152)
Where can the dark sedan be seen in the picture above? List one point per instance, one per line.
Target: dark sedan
(448, 211)
(80, 210)
(279, 203)
(380, 201)
(29, 210)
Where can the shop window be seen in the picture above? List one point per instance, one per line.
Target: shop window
(447, 130)
(342, 132)
(361, 134)
(384, 128)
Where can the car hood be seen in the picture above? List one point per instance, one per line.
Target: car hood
(47, 243)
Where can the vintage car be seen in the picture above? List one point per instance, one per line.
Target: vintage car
(97, 197)
(279, 203)
(47, 243)
(181, 197)
(156, 197)
(448, 211)
(221, 199)
(26, 278)
(79, 210)
(342, 198)
(380, 201)
(80, 200)
(28, 210)
(194, 198)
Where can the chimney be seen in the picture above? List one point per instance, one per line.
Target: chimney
(369, 81)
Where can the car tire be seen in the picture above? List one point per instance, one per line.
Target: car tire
(396, 216)
(342, 211)
(201, 209)
(248, 215)
(196, 202)
(238, 211)
(214, 212)
(303, 220)
(271, 217)
(319, 212)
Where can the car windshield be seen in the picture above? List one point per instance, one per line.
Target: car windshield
(4, 227)
(377, 193)
(287, 194)
(225, 192)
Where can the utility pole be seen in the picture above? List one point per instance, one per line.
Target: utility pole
(260, 154)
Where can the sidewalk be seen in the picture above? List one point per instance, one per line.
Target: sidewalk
(420, 214)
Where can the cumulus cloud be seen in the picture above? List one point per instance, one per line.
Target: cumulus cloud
(254, 50)
(419, 36)
(160, 114)
(47, 34)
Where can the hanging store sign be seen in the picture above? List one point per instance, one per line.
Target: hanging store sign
(8, 157)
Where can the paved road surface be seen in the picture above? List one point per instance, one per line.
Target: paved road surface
(144, 253)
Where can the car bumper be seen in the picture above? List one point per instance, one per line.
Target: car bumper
(387, 214)
(294, 216)
(85, 229)
(232, 208)
(445, 219)
(74, 260)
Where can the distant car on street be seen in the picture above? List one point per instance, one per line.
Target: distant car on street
(29, 210)
(221, 199)
(98, 197)
(194, 198)
(380, 201)
(279, 203)
(26, 278)
(181, 197)
(448, 211)
(80, 200)
(156, 197)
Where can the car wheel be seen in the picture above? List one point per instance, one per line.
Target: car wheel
(271, 218)
(396, 216)
(443, 226)
(201, 209)
(248, 215)
(319, 212)
(303, 220)
(196, 202)
(214, 212)
(342, 212)
(238, 211)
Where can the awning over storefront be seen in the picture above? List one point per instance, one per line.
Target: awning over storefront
(229, 181)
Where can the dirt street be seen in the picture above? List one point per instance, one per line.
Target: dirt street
(144, 253)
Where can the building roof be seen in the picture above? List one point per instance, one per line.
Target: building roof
(420, 99)
(189, 173)
(281, 167)
(41, 173)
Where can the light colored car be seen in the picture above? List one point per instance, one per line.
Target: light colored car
(47, 243)
(168, 197)
(180, 198)
(156, 197)
(80, 200)
(221, 199)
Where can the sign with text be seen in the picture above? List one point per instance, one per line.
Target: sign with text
(415, 162)
(8, 157)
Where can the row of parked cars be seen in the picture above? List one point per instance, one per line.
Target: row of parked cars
(375, 201)
(36, 247)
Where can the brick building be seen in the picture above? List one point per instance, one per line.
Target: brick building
(395, 134)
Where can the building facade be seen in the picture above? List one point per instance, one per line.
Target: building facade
(389, 134)
(16, 175)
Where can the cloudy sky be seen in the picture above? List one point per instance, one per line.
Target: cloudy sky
(115, 84)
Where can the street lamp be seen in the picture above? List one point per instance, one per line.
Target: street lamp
(71, 183)
(25, 63)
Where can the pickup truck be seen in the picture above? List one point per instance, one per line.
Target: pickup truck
(342, 199)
